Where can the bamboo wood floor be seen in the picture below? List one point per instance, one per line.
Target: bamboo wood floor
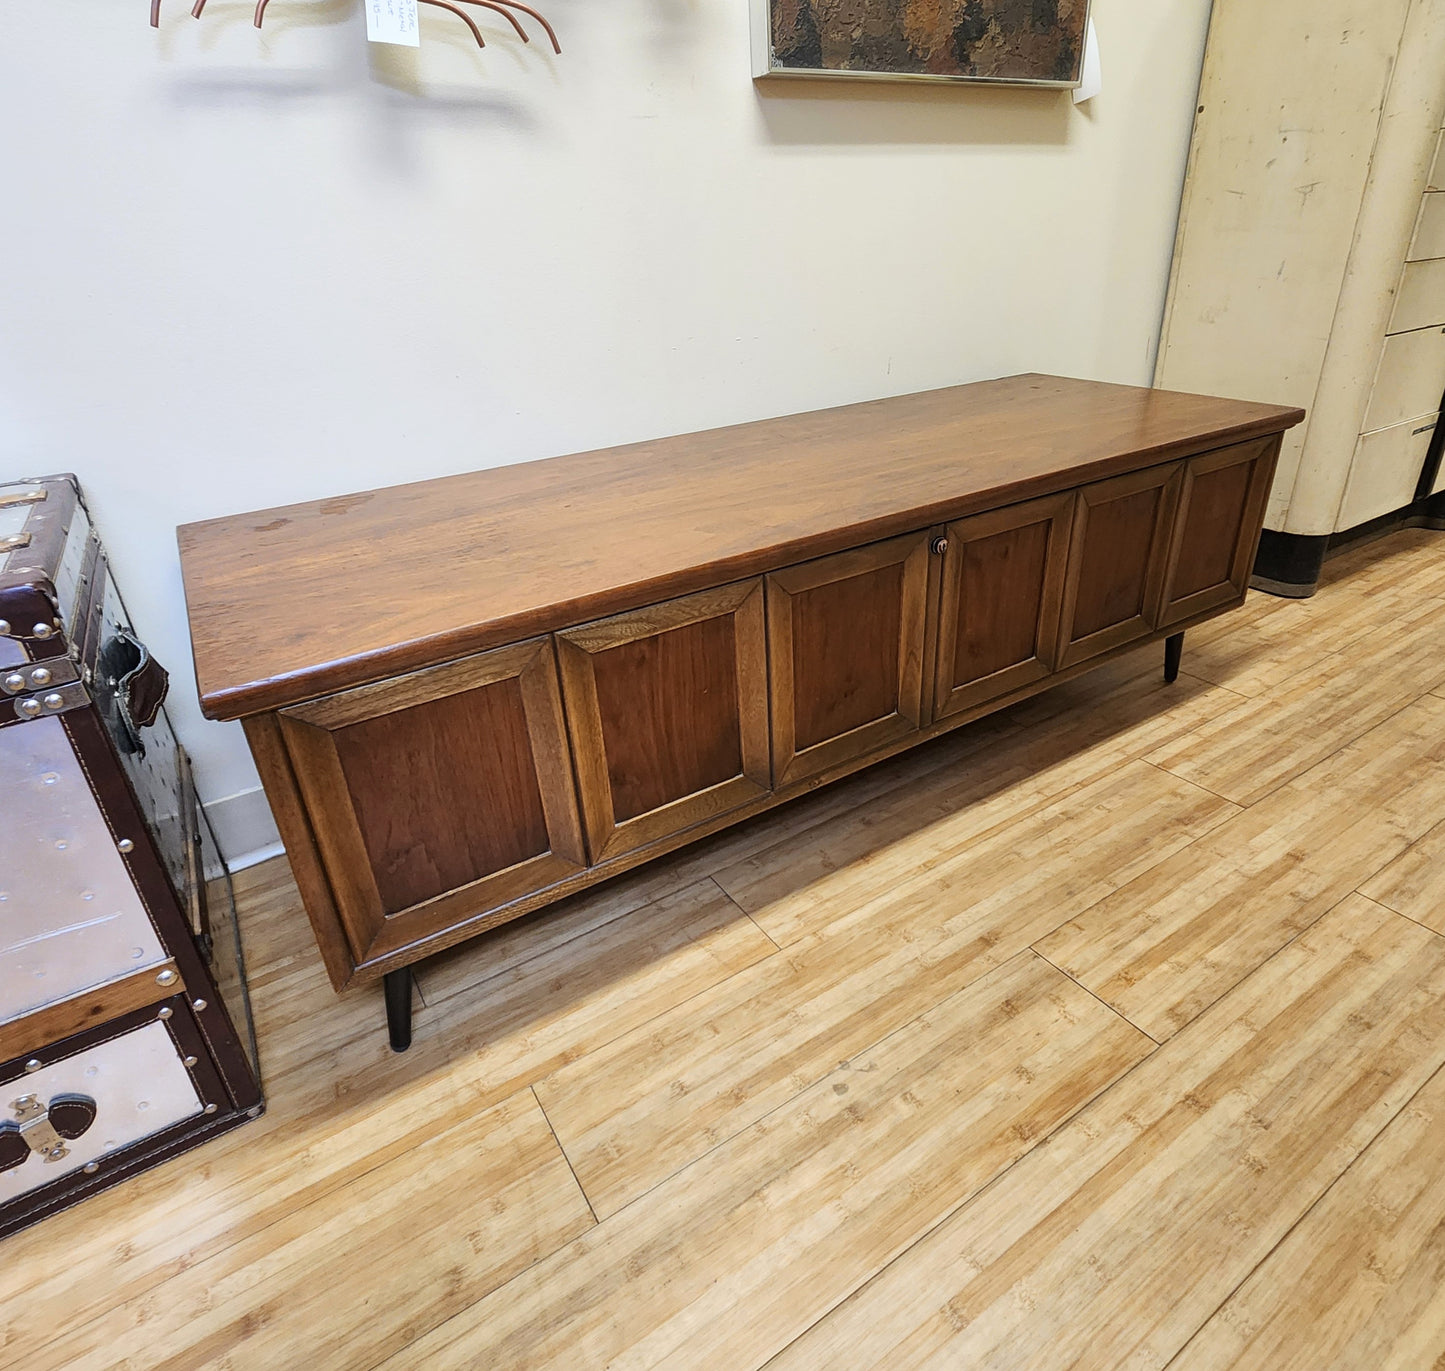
(1108, 1032)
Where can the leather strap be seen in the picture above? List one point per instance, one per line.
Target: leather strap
(140, 684)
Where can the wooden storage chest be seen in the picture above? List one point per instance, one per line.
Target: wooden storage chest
(470, 696)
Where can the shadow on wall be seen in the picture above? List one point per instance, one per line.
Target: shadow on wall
(818, 111)
(358, 65)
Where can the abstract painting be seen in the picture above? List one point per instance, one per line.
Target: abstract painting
(1026, 42)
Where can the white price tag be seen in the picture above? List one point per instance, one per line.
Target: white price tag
(392, 21)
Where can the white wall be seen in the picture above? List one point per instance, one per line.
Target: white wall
(244, 269)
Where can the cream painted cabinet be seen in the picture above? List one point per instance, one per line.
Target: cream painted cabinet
(1428, 243)
(1408, 384)
(1310, 258)
(1385, 470)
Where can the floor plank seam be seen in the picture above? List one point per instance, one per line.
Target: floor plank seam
(1041, 1141)
(1234, 985)
(1106, 766)
(581, 1189)
(1313, 766)
(1117, 1013)
(1391, 861)
(863, 1050)
(746, 915)
(559, 910)
(991, 728)
(381, 1160)
(1043, 801)
(1391, 908)
(1304, 1214)
(874, 1043)
(1239, 695)
(526, 1080)
(1189, 780)
(698, 877)
(421, 1332)
(1116, 1084)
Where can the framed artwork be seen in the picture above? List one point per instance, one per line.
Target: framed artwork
(1008, 42)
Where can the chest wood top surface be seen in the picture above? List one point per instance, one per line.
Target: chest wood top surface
(289, 603)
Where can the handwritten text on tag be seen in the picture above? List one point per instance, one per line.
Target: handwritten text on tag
(392, 21)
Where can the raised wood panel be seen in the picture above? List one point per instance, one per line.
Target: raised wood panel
(1116, 561)
(1221, 500)
(1001, 592)
(466, 755)
(846, 652)
(667, 708)
(679, 688)
(303, 853)
(845, 637)
(672, 841)
(1207, 537)
(439, 796)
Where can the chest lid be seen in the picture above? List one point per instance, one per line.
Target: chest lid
(293, 603)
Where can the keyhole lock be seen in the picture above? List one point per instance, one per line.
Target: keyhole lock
(939, 545)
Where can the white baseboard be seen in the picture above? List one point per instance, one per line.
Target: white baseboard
(256, 856)
(244, 828)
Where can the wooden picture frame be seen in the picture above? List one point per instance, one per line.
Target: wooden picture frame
(987, 42)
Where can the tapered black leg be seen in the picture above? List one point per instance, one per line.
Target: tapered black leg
(1173, 651)
(397, 985)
